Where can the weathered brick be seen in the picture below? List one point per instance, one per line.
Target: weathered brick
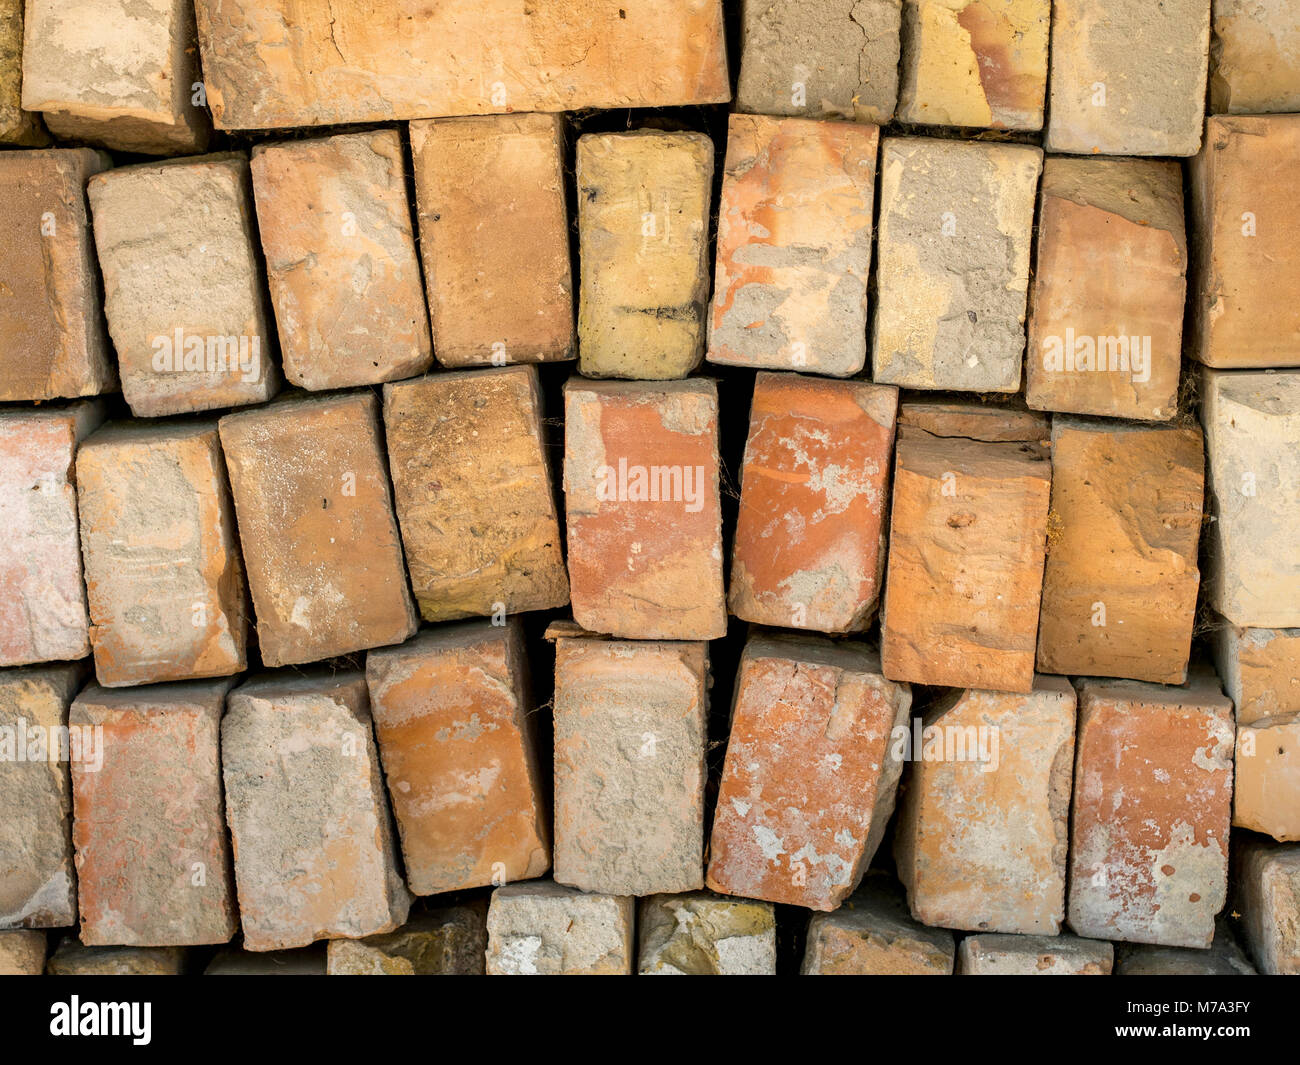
(451, 714)
(1003, 955)
(974, 63)
(305, 961)
(474, 496)
(1223, 958)
(116, 73)
(1266, 882)
(316, 524)
(630, 730)
(153, 864)
(984, 823)
(17, 126)
(1152, 802)
(71, 958)
(43, 614)
(810, 774)
(1119, 587)
(164, 578)
(1266, 785)
(494, 234)
(345, 283)
(1252, 443)
(820, 58)
(809, 542)
(794, 245)
(375, 62)
(977, 421)
(1128, 78)
(314, 851)
(643, 508)
(706, 935)
(543, 929)
(952, 263)
(22, 952)
(643, 232)
(1254, 57)
(445, 942)
(872, 935)
(1260, 670)
(1106, 308)
(52, 338)
(182, 284)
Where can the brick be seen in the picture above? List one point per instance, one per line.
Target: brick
(164, 578)
(810, 774)
(22, 952)
(182, 284)
(630, 731)
(153, 864)
(375, 63)
(1106, 308)
(794, 245)
(544, 929)
(310, 489)
(983, 829)
(1152, 802)
(447, 942)
(451, 714)
(335, 225)
(993, 424)
(51, 322)
(643, 508)
(1254, 57)
(314, 851)
(820, 58)
(1000, 955)
(17, 126)
(1252, 444)
(1266, 785)
(1127, 79)
(475, 499)
(116, 73)
(494, 235)
(1260, 670)
(974, 63)
(43, 614)
(967, 540)
(952, 263)
(872, 935)
(38, 881)
(1223, 958)
(643, 236)
(1245, 299)
(1119, 587)
(706, 935)
(71, 958)
(1266, 881)
(305, 961)
(809, 542)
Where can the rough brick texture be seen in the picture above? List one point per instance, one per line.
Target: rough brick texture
(1266, 785)
(1255, 57)
(17, 126)
(706, 935)
(1260, 670)
(996, 955)
(544, 929)
(1223, 958)
(1267, 882)
(872, 935)
(446, 942)
(71, 958)
(22, 952)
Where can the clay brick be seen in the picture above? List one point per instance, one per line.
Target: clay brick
(1152, 802)
(809, 543)
(22, 952)
(116, 73)
(164, 578)
(451, 716)
(820, 58)
(1266, 787)
(1260, 670)
(373, 62)
(1246, 289)
(1252, 443)
(305, 961)
(1223, 958)
(810, 774)
(446, 942)
(952, 263)
(706, 935)
(1106, 308)
(872, 935)
(494, 235)
(630, 724)
(543, 929)
(967, 542)
(1254, 57)
(994, 424)
(643, 232)
(316, 524)
(182, 284)
(42, 601)
(1266, 881)
(71, 958)
(17, 126)
(1128, 78)
(474, 496)
(643, 508)
(314, 851)
(974, 63)
(52, 338)
(153, 864)
(340, 259)
(794, 245)
(998, 955)
(1119, 587)
(983, 829)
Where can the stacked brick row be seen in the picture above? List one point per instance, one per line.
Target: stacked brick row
(273, 616)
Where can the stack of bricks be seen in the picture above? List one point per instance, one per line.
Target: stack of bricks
(850, 507)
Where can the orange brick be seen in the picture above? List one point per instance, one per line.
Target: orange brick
(1266, 788)
(997, 955)
(1260, 670)
(872, 935)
